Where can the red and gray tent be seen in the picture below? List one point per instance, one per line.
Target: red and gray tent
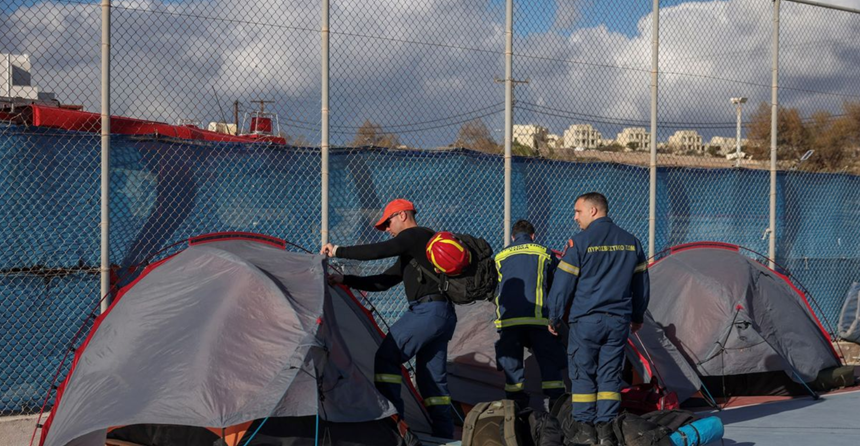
(230, 330)
(849, 316)
(746, 328)
(473, 376)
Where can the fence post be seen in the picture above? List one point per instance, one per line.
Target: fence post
(652, 195)
(324, 141)
(771, 250)
(105, 156)
(509, 113)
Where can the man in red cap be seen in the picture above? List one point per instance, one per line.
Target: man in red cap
(424, 330)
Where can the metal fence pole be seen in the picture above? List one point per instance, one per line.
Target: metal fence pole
(509, 113)
(771, 251)
(827, 6)
(324, 139)
(652, 197)
(105, 155)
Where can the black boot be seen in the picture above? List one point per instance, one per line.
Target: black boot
(583, 434)
(605, 434)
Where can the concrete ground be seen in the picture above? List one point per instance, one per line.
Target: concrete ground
(831, 420)
(17, 431)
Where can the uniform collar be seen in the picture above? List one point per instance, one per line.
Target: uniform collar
(522, 239)
(599, 221)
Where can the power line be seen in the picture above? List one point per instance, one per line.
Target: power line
(417, 130)
(414, 123)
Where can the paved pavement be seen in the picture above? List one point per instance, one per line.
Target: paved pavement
(832, 420)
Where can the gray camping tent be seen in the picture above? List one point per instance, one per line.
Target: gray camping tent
(849, 317)
(222, 333)
(731, 316)
(473, 376)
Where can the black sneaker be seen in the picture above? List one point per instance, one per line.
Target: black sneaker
(583, 434)
(606, 435)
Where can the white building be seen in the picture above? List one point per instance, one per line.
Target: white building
(15, 79)
(530, 135)
(582, 135)
(686, 141)
(636, 137)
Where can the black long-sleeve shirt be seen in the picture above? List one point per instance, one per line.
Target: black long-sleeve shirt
(407, 245)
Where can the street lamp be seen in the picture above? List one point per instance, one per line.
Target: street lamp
(738, 103)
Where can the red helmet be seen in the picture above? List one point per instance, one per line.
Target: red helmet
(448, 254)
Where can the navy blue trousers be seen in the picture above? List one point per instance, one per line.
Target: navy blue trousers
(548, 351)
(596, 357)
(422, 332)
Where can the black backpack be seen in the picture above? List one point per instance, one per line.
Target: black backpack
(477, 282)
(545, 429)
(651, 429)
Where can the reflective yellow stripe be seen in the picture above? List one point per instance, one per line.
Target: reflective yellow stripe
(609, 396)
(499, 271)
(552, 385)
(437, 401)
(385, 378)
(518, 387)
(583, 398)
(542, 321)
(539, 289)
(640, 267)
(568, 268)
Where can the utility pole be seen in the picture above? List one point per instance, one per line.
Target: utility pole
(514, 83)
(509, 82)
(236, 115)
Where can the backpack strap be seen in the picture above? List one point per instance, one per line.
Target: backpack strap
(422, 271)
(471, 420)
(509, 425)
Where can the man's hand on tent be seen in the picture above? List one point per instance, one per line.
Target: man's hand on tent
(335, 278)
(328, 250)
(635, 326)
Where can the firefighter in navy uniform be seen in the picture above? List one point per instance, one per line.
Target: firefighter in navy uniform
(525, 275)
(424, 330)
(605, 274)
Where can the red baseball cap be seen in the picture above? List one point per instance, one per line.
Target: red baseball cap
(395, 206)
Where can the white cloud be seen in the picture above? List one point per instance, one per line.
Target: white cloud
(401, 62)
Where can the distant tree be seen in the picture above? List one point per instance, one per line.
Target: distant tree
(371, 134)
(852, 122)
(519, 149)
(792, 136)
(614, 147)
(830, 138)
(714, 151)
(475, 135)
(633, 146)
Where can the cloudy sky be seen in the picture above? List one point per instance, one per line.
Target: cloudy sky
(420, 68)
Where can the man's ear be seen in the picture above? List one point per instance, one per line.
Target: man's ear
(533, 237)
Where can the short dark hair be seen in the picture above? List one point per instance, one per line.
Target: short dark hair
(523, 227)
(597, 199)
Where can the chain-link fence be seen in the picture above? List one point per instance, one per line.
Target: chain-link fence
(411, 85)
